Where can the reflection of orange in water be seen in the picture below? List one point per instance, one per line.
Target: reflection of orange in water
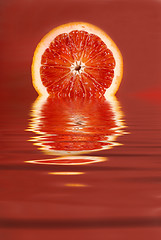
(69, 160)
(74, 126)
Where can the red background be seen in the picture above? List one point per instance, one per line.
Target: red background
(126, 187)
(133, 25)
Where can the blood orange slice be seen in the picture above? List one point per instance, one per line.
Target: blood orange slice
(77, 59)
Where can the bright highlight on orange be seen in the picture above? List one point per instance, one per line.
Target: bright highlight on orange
(77, 59)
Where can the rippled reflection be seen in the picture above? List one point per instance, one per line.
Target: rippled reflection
(66, 173)
(69, 160)
(75, 126)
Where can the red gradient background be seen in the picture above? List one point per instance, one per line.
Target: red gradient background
(121, 197)
(133, 25)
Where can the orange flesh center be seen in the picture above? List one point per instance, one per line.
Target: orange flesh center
(77, 64)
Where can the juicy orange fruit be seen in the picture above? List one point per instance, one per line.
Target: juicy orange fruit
(77, 59)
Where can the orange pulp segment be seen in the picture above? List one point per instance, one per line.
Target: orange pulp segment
(77, 59)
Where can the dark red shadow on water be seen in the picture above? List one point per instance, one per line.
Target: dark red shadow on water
(91, 223)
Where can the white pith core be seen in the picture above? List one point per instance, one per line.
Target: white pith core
(77, 67)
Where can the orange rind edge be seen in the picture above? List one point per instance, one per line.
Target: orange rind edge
(46, 40)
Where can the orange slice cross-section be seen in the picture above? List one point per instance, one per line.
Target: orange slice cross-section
(77, 59)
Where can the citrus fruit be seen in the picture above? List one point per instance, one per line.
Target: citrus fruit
(77, 59)
(75, 126)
